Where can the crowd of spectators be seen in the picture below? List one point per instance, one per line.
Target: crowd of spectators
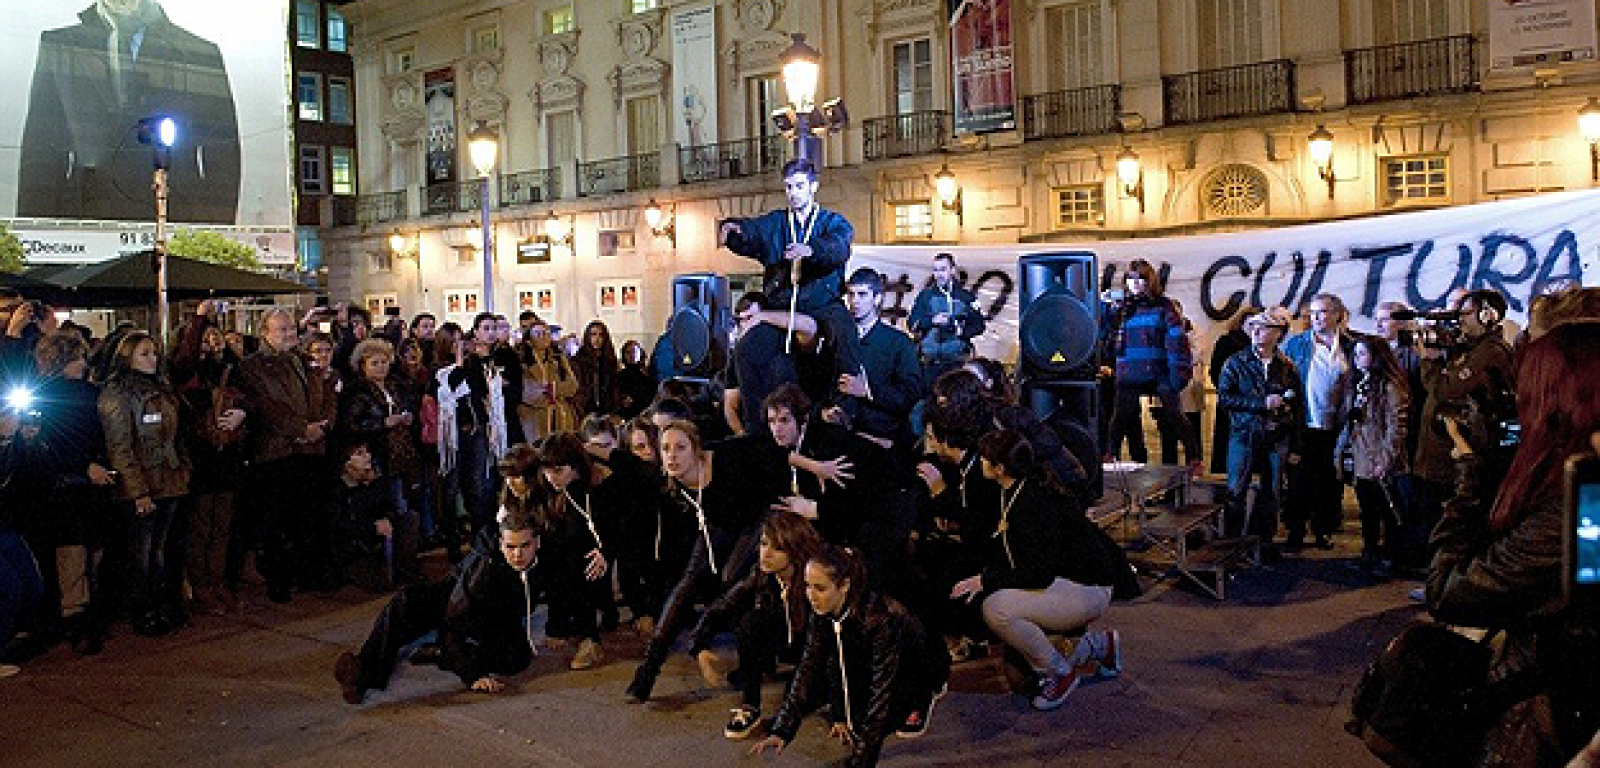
(145, 483)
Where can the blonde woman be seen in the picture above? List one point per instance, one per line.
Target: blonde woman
(548, 386)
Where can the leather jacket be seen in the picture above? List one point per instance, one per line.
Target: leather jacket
(483, 631)
(139, 414)
(758, 594)
(889, 667)
(1243, 389)
(278, 399)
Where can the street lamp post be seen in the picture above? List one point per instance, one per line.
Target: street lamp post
(484, 146)
(802, 118)
(160, 133)
(1589, 126)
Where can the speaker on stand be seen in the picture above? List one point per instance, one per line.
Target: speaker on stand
(699, 332)
(1058, 334)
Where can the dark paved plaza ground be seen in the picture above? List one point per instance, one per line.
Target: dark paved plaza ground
(1263, 679)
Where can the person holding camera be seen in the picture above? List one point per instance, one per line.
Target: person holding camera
(1498, 565)
(1257, 388)
(1474, 366)
(944, 319)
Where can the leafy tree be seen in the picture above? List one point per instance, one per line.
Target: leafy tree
(201, 245)
(11, 259)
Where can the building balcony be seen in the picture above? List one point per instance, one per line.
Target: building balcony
(374, 209)
(619, 174)
(1408, 70)
(529, 187)
(452, 197)
(1077, 112)
(1263, 88)
(731, 159)
(914, 133)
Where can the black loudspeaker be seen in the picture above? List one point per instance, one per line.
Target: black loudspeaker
(1059, 326)
(701, 324)
(1058, 334)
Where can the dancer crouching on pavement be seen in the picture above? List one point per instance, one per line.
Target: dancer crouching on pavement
(883, 671)
(580, 528)
(772, 611)
(727, 492)
(480, 612)
(1045, 571)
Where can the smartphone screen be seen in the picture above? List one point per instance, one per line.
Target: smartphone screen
(1586, 535)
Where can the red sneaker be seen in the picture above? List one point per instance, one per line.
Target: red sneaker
(1054, 690)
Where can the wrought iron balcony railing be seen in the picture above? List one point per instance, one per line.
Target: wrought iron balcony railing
(731, 159)
(527, 187)
(1262, 88)
(376, 208)
(452, 197)
(1076, 112)
(914, 133)
(1409, 70)
(619, 174)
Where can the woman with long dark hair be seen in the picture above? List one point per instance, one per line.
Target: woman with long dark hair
(865, 652)
(1374, 438)
(548, 386)
(727, 493)
(1145, 343)
(139, 413)
(1044, 572)
(1500, 567)
(771, 612)
(596, 366)
(580, 525)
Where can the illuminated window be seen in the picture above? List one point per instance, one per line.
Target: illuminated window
(640, 6)
(342, 170)
(1080, 204)
(1416, 179)
(309, 93)
(558, 21)
(561, 137)
(339, 101)
(307, 24)
(338, 31)
(913, 221)
(311, 178)
(644, 119)
(1074, 31)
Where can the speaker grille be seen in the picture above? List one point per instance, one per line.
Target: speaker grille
(1058, 333)
(691, 339)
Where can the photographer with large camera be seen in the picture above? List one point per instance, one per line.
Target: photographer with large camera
(1467, 371)
(1499, 565)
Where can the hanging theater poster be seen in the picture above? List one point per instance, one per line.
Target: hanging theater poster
(1525, 33)
(982, 66)
(1522, 248)
(439, 98)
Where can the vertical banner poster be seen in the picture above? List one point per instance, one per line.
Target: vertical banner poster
(982, 66)
(694, 77)
(439, 95)
(1525, 33)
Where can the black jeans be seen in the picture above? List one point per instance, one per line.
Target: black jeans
(765, 639)
(1127, 420)
(1380, 517)
(293, 524)
(1315, 494)
(736, 552)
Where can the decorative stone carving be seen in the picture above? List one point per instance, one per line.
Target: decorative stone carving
(487, 101)
(757, 16)
(885, 16)
(558, 89)
(403, 118)
(639, 73)
(1235, 189)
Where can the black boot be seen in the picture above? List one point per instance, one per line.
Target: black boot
(644, 681)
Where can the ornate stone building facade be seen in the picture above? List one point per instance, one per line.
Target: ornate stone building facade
(1211, 105)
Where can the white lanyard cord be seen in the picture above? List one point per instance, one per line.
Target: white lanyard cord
(700, 517)
(796, 236)
(588, 515)
(1005, 525)
(844, 676)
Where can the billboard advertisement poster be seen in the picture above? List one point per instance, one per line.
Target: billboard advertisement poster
(439, 98)
(1525, 33)
(982, 66)
(82, 76)
(694, 75)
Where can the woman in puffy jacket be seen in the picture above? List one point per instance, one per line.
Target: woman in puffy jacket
(871, 658)
(1147, 350)
(1499, 565)
(139, 414)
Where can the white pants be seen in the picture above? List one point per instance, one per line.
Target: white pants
(1022, 617)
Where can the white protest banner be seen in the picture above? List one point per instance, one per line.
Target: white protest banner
(1521, 247)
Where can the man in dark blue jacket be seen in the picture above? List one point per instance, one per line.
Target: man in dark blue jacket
(1257, 388)
(819, 240)
(878, 397)
(944, 319)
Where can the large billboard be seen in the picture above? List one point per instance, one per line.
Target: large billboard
(983, 67)
(81, 75)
